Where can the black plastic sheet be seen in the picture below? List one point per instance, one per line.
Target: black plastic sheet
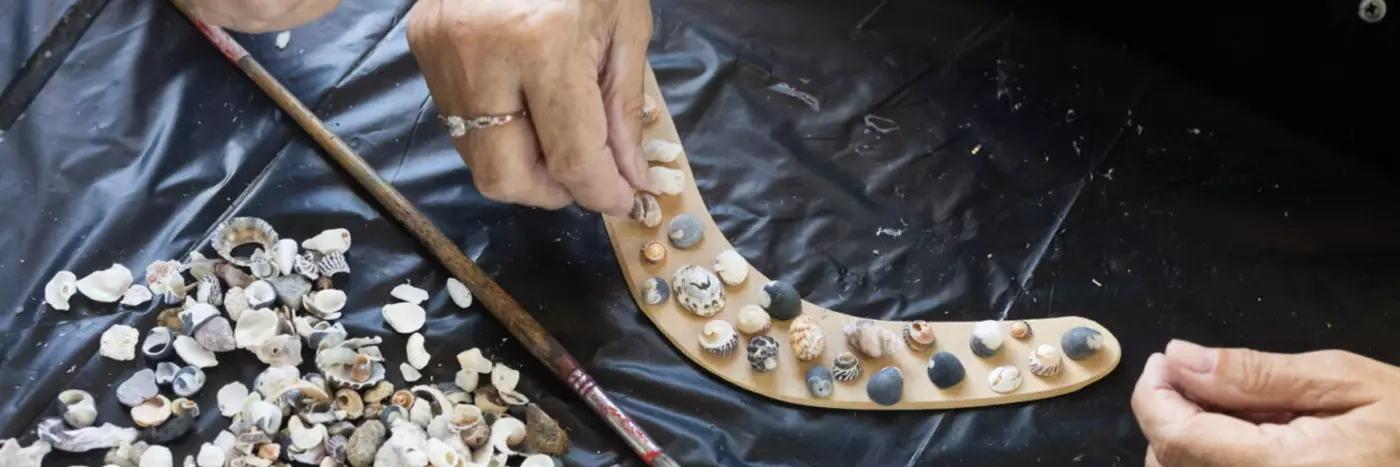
(1036, 170)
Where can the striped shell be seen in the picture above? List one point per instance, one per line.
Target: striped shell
(241, 231)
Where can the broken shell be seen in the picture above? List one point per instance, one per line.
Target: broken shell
(107, 435)
(660, 150)
(1004, 379)
(231, 398)
(945, 370)
(417, 355)
(538, 460)
(305, 437)
(195, 315)
(59, 289)
(107, 285)
(476, 435)
(459, 292)
(158, 344)
(665, 180)
(280, 350)
(240, 231)
(119, 342)
(332, 264)
(274, 380)
(306, 266)
(260, 294)
(698, 290)
(236, 303)
(409, 293)
(365, 443)
(255, 327)
(846, 367)
(290, 290)
(685, 230)
(422, 413)
(188, 381)
(719, 337)
(763, 353)
(404, 318)
(156, 456)
(986, 338)
(1045, 361)
(327, 336)
(868, 338)
(215, 334)
(489, 400)
(284, 254)
(543, 434)
(1080, 343)
(379, 392)
(731, 268)
(806, 338)
(506, 434)
(161, 274)
(349, 401)
(210, 456)
(262, 265)
(325, 304)
(645, 209)
(442, 455)
(656, 291)
(410, 374)
(324, 283)
(753, 320)
(329, 241)
(136, 295)
(886, 387)
(360, 373)
(504, 378)
(650, 112)
(654, 252)
(209, 291)
(472, 359)
(467, 380)
(1021, 330)
(165, 372)
(152, 412)
(137, 388)
(781, 300)
(77, 407)
(186, 414)
(919, 336)
(265, 416)
(819, 382)
(403, 398)
(232, 275)
(390, 413)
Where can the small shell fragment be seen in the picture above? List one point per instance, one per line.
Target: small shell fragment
(156, 456)
(654, 252)
(1045, 361)
(325, 304)
(646, 210)
(781, 300)
(504, 378)
(136, 295)
(719, 337)
(255, 327)
(210, 455)
(329, 241)
(409, 293)
(188, 381)
(241, 231)
(260, 294)
(919, 336)
(332, 264)
(306, 265)
(236, 303)
(418, 356)
(280, 350)
(846, 367)
(192, 353)
(685, 230)
(806, 338)
(119, 342)
(819, 382)
(459, 292)
(660, 150)
(77, 407)
(986, 339)
(1004, 379)
(656, 291)
(1021, 330)
(165, 372)
(886, 387)
(732, 268)
(698, 290)
(404, 317)
(262, 265)
(137, 388)
(763, 353)
(1080, 343)
(467, 380)
(107, 285)
(869, 338)
(945, 370)
(753, 320)
(472, 359)
(231, 398)
(151, 412)
(59, 289)
(215, 334)
(159, 343)
(209, 291)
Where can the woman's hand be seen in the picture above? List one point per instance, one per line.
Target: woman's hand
(258, 16)
(1237, 407)
(577, 66)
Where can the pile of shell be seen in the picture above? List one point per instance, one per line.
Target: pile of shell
(273, 303)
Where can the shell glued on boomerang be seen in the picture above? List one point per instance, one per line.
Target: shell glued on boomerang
(753, 320)
(660, 150)
(698, 290)
(919, 336)
(731, 267)
(846, 367)
(986, 339)
(719, 337)
(646, 210)
(240, 231)
(868, 338)
(806, 338)
(1045, 361)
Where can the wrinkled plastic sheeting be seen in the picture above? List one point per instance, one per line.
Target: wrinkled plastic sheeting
(1032, 174)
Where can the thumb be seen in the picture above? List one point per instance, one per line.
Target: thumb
(1249, 380)
(623, 86)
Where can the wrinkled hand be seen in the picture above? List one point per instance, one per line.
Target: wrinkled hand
(1237, 407)
(257, 16)
(576, 65)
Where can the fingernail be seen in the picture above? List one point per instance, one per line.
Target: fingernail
(1193, 357)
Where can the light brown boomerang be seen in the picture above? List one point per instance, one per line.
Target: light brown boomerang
(788, 382)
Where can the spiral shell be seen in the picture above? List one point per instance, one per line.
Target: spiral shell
(919, 336)
(806, 338)
(719, 337)
(846, 367)
(1045, 361)
(307, 266)
(241, 231)
(753, 320)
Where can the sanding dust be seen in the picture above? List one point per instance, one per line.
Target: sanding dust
(787, 90)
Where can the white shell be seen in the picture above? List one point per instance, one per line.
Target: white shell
(665, 180)
(136, 295)
(731, 268)
(156, 456)
(284, 253)
(231, 398)
(163, 275)
(459, 292)
(472, 359)
(538, 460)
(506, 431)
(467, 380)
(405, 317)
(329, 241)
(275, 379)
(442, 455)
(192, 353)
(660, 150)
(990, 334)
(24, 456)
(305, 437)
(409, 373)
(753, 319)
(263, 414)
(255, 327)
(78, 408)
(417, 355)
(119, 342)
(154, 411)
(324, 303)
(225, 441)
(260, 294)
(59, 289)
(107, 285)
(409, 293)
(421, 414)
(210, 456)
(504, 378)
(1004, 379)
(280, 350)
(719, 337)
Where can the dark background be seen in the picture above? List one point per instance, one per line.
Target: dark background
(1218, 172)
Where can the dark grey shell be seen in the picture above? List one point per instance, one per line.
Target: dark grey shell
(781, 300)
(176, 428)
(819, 382)
(685, 230)
(886, 387)
(656, 291)
(763, 353)
(1081, 343)
(945, 370)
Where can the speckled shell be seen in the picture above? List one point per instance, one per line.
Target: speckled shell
(656, 291)
(685, 230)
(1021, 330)
(698, 290)
(654, 252)
(919, 336)
(846, 367)
(945, 370)
(986, 339)
(806, 338)
(1045, 361)
(868, 338)
(753, 320)
(1004, 379)
(763, 353)
(819, 382)
(781, 300)
(886, 387)
(241, 231)
(646, 209)
(333, 264)
(307, 266)
(719, 337)
(1081, 343)
(209, 291)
